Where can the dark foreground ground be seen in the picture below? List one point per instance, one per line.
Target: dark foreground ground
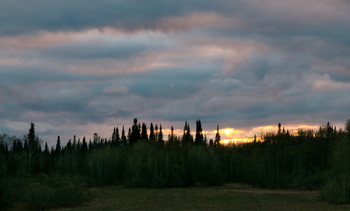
(228, 197)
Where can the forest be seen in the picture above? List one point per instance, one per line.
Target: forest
(40, 177)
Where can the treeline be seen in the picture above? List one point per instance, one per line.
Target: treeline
(308, 159)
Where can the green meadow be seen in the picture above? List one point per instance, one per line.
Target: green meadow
(227, 197)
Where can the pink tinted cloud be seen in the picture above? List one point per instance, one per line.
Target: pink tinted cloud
(45, 39)
(197, 20)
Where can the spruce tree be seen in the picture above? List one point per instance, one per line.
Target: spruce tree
(117, 137)
(135, 133)
(152, 136)
(129, 136)
(171, 135)
(91, 145)
(33, 142)
(160, 135)
(46, 151)
(279, 128)
(187, 137)
(144, 135)
(156, 132)
(217, 136)
(58, 146)
(347, 129)
(33, 151)
(199, 139)
(123, 138)
(84, 146)
(114, 139)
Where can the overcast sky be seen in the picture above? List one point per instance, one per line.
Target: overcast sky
(85, 66)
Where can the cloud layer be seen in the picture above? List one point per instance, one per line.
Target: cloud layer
(78, 67)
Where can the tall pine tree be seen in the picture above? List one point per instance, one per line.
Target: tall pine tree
(217, 136)
(199, 139)
(144, 135)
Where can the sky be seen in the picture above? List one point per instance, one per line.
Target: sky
(85, 66)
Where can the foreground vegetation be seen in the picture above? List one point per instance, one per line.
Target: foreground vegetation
(307, 160)
(42, 192)
(227, 197)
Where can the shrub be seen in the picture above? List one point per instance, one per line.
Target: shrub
(43, 196)
(43, 192)
(4, 197)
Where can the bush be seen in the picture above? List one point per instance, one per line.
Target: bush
(334, 192)
(337, 188)
(43, 196)
(43, 192)
(55, 191)
(4, 197)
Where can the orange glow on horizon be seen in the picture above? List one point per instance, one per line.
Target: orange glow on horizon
(236, 141)
(236, 136)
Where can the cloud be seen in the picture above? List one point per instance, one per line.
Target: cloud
(116, 89)
(77, 67)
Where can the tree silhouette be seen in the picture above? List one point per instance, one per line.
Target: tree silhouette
(187, 137)
(347, 129)
(279, 128)
(160, 135)
(135, 133)
(33, 151)
(84, 146)
(144, 135)
(33, 141)
(123, 137)
(156, 132)
(217, 136)
(152, 136)
(199, 139)
(171, 135)
(58, 146)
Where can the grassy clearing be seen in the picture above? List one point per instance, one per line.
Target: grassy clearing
(228, 197)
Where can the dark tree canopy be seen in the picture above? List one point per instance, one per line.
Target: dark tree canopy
(199, 139)
(144, 135)
(152, 135)
(217, 136)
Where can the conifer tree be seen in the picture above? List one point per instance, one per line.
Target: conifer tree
(156, 132)
(135, 133)
(171, 135)
(144, 135)
(199, 139)
(91, 145)
(217, 136)
(33, 142)
(129, 136)
(187, 137)
(123, 138)
(69, 146)
(33, 151)
(58, 145)
(114, 139)
(152, 136)
(117, 137)
(347, 129)
(279, 128)
(160, 135)
(84, 146)
(74, 144)
(46, 150)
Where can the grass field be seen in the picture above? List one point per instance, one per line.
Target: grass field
(228, 197)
